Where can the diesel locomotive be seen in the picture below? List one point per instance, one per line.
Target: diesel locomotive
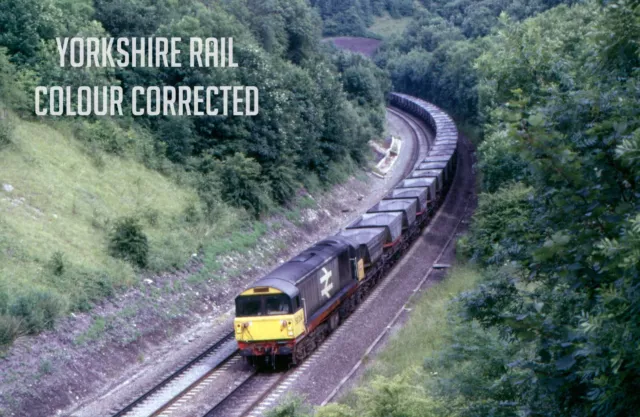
(290, 311)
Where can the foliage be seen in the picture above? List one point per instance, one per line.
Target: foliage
(551, 329)
(352, 17)
(498, 162)
(241, 185)
(182, 176)
(6, 131)
(560, 94)
(501, 224)
(434, 57)
(38, 309)
(277, 45)
(10, 329)
(56, 263)
(129, 242)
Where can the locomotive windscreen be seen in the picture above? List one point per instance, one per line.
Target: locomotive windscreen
(262, 305)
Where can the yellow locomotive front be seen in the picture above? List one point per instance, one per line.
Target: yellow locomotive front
(268, 321)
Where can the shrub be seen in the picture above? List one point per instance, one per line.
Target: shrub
(243, 184)
(56, 263)
(10, 329)
(105, 134)
(191, 214)
(129, 242)
(151, 216)
(4, 301)
(6, 131)
(38, 309)
(502, 220)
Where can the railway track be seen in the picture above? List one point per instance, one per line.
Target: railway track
(250, 393)
(421, 140)
(184, 380)
(247, 396)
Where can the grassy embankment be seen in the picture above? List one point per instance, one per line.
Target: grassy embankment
(386, 26)
(59, 201)
(58, 204)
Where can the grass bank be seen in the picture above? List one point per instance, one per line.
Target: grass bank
(58, 204)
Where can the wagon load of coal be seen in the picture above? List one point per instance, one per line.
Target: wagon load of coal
(368, 242)
(408, 208)
(427, 183)
(392, 222)
(442, 152)
(420, 194)
(446, 141)
(438, 174)
(431, 163)
(443, 145)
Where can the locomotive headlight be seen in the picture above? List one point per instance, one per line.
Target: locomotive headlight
(289, 328)
(239, 328)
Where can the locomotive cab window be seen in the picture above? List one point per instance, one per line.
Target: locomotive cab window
(277, 304)
(248, 306)
(263, 305)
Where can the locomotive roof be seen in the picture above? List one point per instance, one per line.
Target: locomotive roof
(285, 277)
(282, 285)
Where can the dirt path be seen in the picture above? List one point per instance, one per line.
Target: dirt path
(96, 361)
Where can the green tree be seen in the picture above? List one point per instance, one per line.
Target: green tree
(242, 183)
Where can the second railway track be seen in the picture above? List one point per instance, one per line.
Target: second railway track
(182, 381)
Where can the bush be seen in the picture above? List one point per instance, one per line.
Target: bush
(38, 310)
(56, 263)
(6, 131)
(243, 184)
(4, 301)
(10, 329)
(104, 134)
(501, 222)
(129, 242)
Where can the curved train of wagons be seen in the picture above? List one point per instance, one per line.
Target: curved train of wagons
(286, 314)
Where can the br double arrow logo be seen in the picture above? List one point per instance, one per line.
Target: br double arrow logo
(325, 280)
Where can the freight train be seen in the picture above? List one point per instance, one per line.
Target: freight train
(290, 311)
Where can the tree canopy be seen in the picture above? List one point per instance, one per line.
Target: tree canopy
(317, 106)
